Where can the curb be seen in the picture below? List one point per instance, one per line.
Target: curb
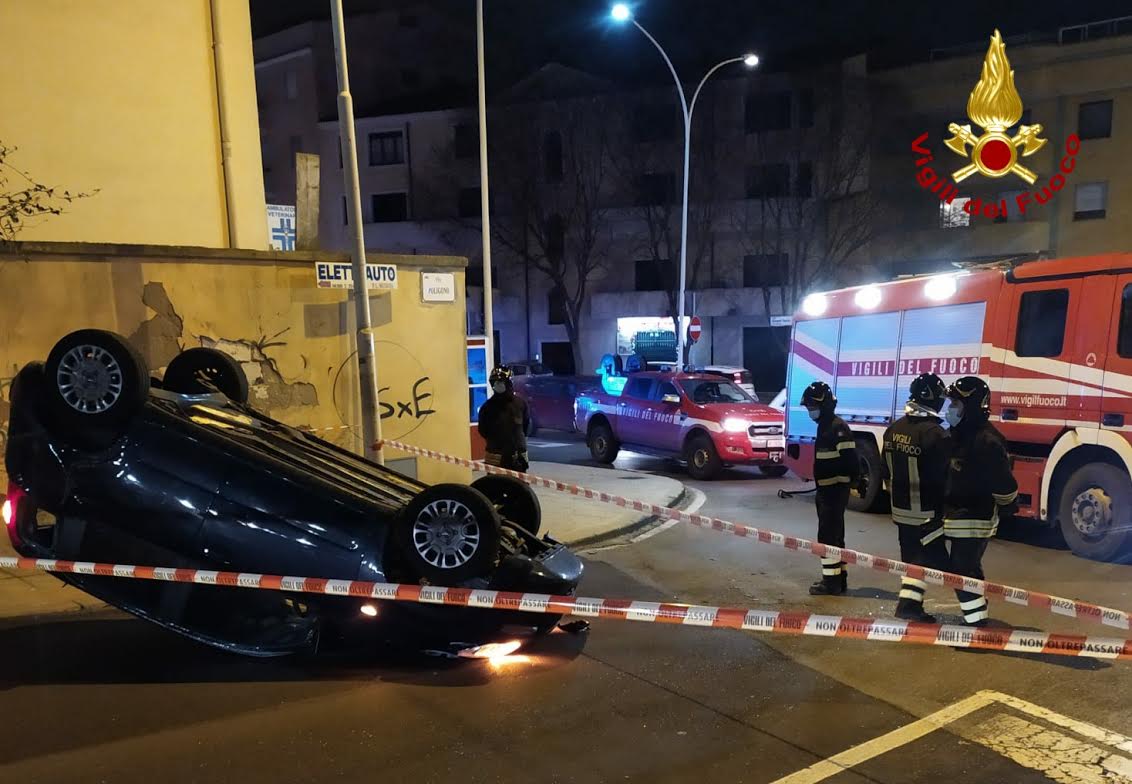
(633, 527)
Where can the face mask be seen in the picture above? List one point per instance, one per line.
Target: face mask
(815, 414)
(500, 387)
(954, 414)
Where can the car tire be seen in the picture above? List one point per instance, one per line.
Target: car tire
(450, 533)
(868, 494)
(1095, 512)
(96, 382)
(702, 459)
(515, 501)
(199, 371)
(773, 470)
(602, 443)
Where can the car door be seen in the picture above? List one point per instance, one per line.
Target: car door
(632, 408)
(665, 430)
(1116, 397)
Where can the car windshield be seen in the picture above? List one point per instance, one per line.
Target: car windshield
(703, 391)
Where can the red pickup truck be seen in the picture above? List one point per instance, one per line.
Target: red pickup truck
(704, 420)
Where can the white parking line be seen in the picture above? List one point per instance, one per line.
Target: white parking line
(1060, 757)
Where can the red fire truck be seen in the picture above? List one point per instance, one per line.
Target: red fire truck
(1052, 338)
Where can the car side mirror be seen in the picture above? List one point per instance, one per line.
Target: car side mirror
(673, 399)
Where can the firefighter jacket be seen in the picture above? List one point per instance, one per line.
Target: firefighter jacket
(979, 481)
(503, 423)
(835, 453)
(916, 453)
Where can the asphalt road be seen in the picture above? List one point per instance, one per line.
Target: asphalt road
(108, 698)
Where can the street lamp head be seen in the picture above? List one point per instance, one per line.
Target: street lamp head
(750, 60)
(621, 13)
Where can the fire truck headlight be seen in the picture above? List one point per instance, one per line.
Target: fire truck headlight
(815, 304)
(868, 297)
(940, 288)
(733, 425)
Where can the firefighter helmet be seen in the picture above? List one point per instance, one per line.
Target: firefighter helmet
(928, 390)
(500, 374)
(973, 393)
(819, 395)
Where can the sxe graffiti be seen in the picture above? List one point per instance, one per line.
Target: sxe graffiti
(414, 407)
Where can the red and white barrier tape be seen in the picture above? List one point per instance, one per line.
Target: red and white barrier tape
(746, 619)
(1043, 601)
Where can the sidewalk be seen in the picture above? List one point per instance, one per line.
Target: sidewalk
(567, 518)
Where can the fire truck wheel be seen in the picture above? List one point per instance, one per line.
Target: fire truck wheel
(703, 461)
(602, 443)
(868, 495)
(1095, 512)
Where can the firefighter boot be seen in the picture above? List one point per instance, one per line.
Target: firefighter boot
(912, 610)
(830, 585)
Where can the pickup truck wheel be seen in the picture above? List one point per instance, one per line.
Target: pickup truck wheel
(449, 533)
(514, 500)
(702, 459)
(868, 494)
(1095, 512)
(96, 382)
(603, 444)
(199, 371)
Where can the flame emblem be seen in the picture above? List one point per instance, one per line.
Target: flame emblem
(994, 106)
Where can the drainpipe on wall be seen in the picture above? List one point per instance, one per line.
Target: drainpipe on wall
(222, 118)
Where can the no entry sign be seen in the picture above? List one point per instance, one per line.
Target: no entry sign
(695, 328)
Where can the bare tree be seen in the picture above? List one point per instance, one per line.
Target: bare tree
(808, 213)
(25, 201)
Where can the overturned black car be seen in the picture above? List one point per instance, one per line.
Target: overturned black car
(107, 464)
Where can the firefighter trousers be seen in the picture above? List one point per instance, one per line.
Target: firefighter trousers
(831, 502)
(967, 560)
(922, 545)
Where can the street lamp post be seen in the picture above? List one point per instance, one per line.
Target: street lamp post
(622, 13)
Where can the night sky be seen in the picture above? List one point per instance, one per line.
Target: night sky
(523, 34)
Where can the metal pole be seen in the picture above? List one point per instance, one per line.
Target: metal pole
(485, 219)
(367, 365)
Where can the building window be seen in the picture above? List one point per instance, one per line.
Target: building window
(1124, 336)
(652, 274)
(468, 203)
(555, 238)
(767, 112)
(552, 156)
(806, 108)
(390, 207)
(1012, 214)
(555, 306)
(764, 270)
(654, 123)
(1094, 120)
(386, 148)
(769, 181)
(466, 140)
(804, 186)
(952, 216)
(1090, 200)
(291, 84)
(656, 189)
(1041, 323)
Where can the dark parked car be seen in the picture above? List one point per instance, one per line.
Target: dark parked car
(551, 399)
(107, 464)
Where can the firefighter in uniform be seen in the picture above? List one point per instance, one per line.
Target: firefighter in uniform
(979, 483)
(835, 470)
(503, 422)
(916, 453)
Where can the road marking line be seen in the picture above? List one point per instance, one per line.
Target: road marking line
(699, 498)
(1062, 751)
(839, 763)
(548, 444)
(1061, 758)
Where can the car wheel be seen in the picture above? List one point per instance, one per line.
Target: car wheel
(773, 470)
(199, 371)
(701, 457)
(96, 382)
(450, 533)
(603, 444)
(514, 500)
(1095, 512)
(868, 494)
